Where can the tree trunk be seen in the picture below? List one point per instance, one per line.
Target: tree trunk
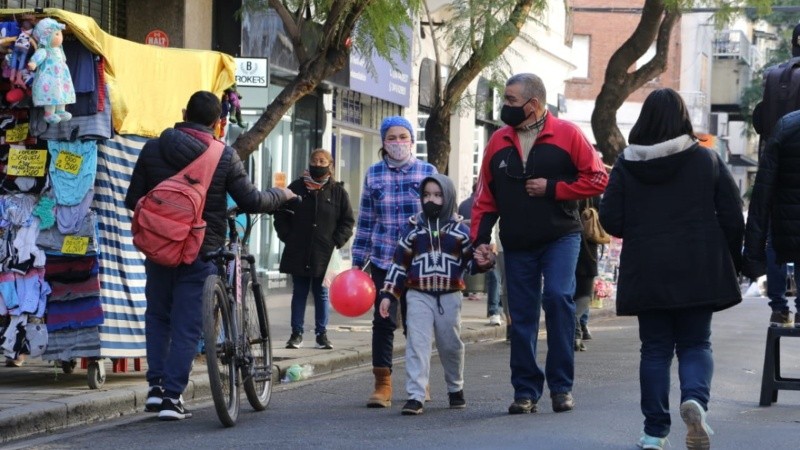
(305, 82)
(656, 23)
(437, 136)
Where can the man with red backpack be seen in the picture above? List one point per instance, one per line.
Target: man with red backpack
(173, 319)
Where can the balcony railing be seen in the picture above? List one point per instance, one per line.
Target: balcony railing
(732, 44)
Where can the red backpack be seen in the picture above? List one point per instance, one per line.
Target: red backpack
(168, 225)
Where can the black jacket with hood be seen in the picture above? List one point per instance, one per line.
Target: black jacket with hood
(166, 155)
(678, 211)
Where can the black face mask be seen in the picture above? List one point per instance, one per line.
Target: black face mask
(514, 115)
(431, 210)
(318, 171)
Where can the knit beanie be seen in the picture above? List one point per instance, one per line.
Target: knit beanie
(396, 121)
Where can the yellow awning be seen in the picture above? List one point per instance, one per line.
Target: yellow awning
(148, 85)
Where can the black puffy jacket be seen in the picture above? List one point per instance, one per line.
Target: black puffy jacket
(165, 156)
(775, 202)
(322, 222)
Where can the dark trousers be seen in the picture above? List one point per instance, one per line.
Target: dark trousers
(383, 329)
(687, 333)
(173, 322)
(301, 287)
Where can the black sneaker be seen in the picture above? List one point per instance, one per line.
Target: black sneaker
(154, 398)
(295, 341)
(173, 409)
(562, 402)
(412, 408)
(323, 342)
(781, 319)
(522, 406)
(585, 332)
(457, 400)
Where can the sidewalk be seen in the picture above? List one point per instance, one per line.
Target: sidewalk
(38, 398)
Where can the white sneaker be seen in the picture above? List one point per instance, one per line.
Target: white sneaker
(495, 320)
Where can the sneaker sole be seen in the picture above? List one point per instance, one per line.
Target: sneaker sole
(697, 435)
(458, 406)
(378, 404)
(411, 412)
(522, 410)
(173, 415)
(323, 347)
(294, 346)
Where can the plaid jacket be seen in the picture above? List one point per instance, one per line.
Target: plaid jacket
(389, 197)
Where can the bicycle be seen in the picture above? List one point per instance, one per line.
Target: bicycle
(238, 346)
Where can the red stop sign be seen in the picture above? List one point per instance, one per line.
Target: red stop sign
(157, 37)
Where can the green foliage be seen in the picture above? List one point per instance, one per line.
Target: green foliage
(381, 28)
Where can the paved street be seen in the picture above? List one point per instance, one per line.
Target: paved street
(328, 412)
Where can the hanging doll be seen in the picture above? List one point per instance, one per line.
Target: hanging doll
(52, 86)
(233, 97)
(22, 46)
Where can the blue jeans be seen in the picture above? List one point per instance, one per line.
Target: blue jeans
(776, 280)
(553, 264)
(173, 322)
(493, 286)
(687, 333)
(299, 296)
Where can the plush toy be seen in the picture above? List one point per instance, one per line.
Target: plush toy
(22, 46)
(235, 107)
(52, 85)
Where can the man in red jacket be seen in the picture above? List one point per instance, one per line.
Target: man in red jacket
(533, 172)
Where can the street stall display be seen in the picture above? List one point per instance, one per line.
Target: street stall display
(76, 108)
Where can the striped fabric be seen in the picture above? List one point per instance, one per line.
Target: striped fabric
(122, 275)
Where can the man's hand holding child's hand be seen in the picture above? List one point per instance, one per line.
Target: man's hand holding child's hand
(484, 257)
(383, 309)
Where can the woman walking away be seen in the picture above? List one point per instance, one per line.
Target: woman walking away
(678, 210)
(390, 196)
(312, 231)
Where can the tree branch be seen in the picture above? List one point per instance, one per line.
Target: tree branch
(658, 64)
(636, 45)
(291, 28)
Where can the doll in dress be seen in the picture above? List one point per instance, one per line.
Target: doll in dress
(52, 85)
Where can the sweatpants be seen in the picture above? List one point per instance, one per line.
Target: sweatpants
(428, 318)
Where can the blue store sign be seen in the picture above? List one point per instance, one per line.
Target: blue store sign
(388, 83)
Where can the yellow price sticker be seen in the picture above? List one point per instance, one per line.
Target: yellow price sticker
(27, 163)
(69, 162)
(17, 134)
(75, 245)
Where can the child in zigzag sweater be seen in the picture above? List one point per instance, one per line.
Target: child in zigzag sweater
(430, 261)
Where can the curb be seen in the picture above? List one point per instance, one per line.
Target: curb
(93, 407)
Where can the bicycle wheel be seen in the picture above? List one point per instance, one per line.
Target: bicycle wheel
(218, 333)
(258, 381)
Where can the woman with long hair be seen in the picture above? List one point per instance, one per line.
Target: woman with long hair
(678, 211)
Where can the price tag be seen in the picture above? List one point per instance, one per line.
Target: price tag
(17, 134)
(69, 162)
(27, 163)
(75, 245)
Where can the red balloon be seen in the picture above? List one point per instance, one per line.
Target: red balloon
(352, 293)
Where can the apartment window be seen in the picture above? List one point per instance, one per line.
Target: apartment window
(580, 55)
(422, 144)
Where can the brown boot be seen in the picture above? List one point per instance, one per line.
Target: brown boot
(382, 397)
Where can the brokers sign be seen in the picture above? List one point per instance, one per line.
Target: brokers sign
(252, 72)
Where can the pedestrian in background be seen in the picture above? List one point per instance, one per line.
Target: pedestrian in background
(533, 172)
(312, 230)
(390, 196)
(678, 210)
(585, 273)
(430, 261)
